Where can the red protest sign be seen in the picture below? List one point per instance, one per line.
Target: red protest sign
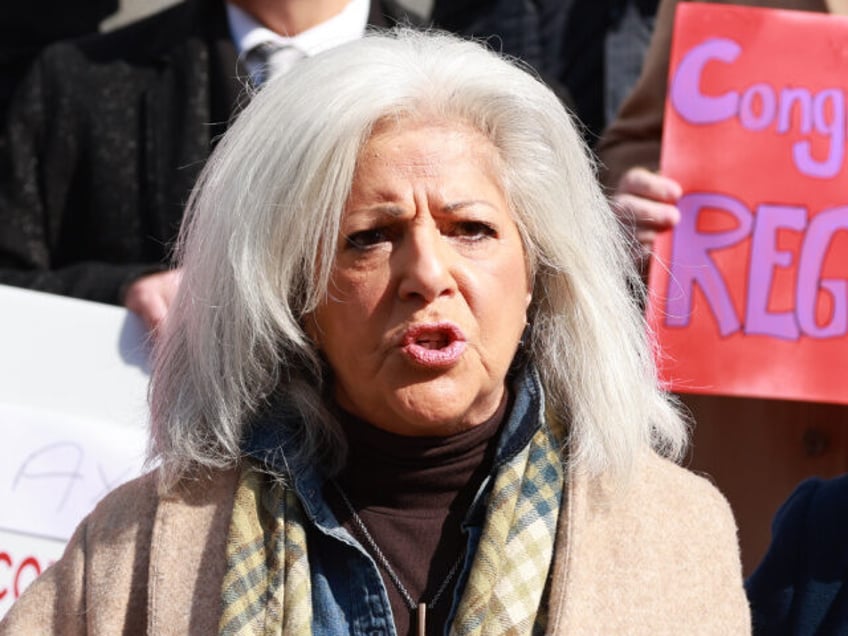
(749, 294)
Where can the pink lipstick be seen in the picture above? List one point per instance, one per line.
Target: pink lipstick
(434, 345)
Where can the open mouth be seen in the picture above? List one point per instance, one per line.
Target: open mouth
(434, 344)
(437, 341)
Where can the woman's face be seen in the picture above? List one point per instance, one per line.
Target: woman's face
(430, 288)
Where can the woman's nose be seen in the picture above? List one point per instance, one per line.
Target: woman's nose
(424, 264)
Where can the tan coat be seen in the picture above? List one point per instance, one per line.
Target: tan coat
(659, 557)
(756, 450)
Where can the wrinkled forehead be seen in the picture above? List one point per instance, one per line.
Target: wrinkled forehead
(420, 144)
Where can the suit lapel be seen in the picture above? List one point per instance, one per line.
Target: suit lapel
(188, 105)
(228, 87)
(177, 132)
(388, 13)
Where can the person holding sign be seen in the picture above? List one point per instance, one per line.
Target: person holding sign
(629, 149)
(757, 450)
(404, 387)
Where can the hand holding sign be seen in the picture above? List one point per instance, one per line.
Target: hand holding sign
(647, 202)
(751, 293)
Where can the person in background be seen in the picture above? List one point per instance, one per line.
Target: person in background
(404, 387)
(756, 450)
(629, 149)
(27, 27)
(107, 134)
(589, 51)
(801, 586)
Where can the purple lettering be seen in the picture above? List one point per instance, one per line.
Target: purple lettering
(768, 107)
(764, 258)
(813, 251)
(760, 106)
(692, 264)
(788, 98)
(834, 128)
(685, 90)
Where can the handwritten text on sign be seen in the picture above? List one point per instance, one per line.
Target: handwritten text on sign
(751, 293)
(56, 473)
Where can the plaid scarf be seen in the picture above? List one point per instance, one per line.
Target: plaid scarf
(267, 587)
(506, 589)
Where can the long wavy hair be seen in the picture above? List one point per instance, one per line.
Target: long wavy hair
(254, 250)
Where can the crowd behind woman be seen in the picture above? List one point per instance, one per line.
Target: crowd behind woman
(290, 350)
(405, 386)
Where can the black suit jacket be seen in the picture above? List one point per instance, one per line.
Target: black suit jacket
(104, 141)
(801, 587)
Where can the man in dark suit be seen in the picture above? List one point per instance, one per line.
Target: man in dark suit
(106, 137)
(801, 587)
(27, 27)
(589, 51)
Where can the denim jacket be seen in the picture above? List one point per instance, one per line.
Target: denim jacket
(348, 594)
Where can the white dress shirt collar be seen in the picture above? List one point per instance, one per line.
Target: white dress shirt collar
(343, 27)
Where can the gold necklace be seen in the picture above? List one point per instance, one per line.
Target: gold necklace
(419, 608)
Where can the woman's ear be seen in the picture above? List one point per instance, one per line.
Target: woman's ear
(531, 282)
(531, 266)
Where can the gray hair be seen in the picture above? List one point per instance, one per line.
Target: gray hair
(255, 257)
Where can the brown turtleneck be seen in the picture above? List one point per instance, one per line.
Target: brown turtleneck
(412, 494)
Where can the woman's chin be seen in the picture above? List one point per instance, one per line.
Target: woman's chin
(426, 426)
(431, 408)
(410, 399)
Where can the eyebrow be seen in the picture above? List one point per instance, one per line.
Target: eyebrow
(386, 209)
(453, 207)
(391, 210)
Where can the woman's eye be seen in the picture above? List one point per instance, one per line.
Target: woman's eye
(474, 230)
(366, 238)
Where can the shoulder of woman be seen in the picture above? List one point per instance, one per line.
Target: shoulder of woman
(685, 525)
(665, 539)
(664, 485)
(107, 536)
(673, 517)
(138, 512)
(131, 542)
(658, 489)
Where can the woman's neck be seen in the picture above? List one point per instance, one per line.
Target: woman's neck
(412, 495)
(291, 17)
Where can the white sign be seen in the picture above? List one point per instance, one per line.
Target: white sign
(73, 422)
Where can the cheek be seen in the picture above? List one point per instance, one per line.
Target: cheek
(513, 299)
(501, 308)
(514, 285)
(355, 302)
(342, 320)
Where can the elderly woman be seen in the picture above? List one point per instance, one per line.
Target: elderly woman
(405, 387)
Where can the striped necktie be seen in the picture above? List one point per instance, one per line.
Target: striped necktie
(268, 59)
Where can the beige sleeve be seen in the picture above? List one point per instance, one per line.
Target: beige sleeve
(652, 556)
(715, 556)
(99, 586)
(54, 603)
